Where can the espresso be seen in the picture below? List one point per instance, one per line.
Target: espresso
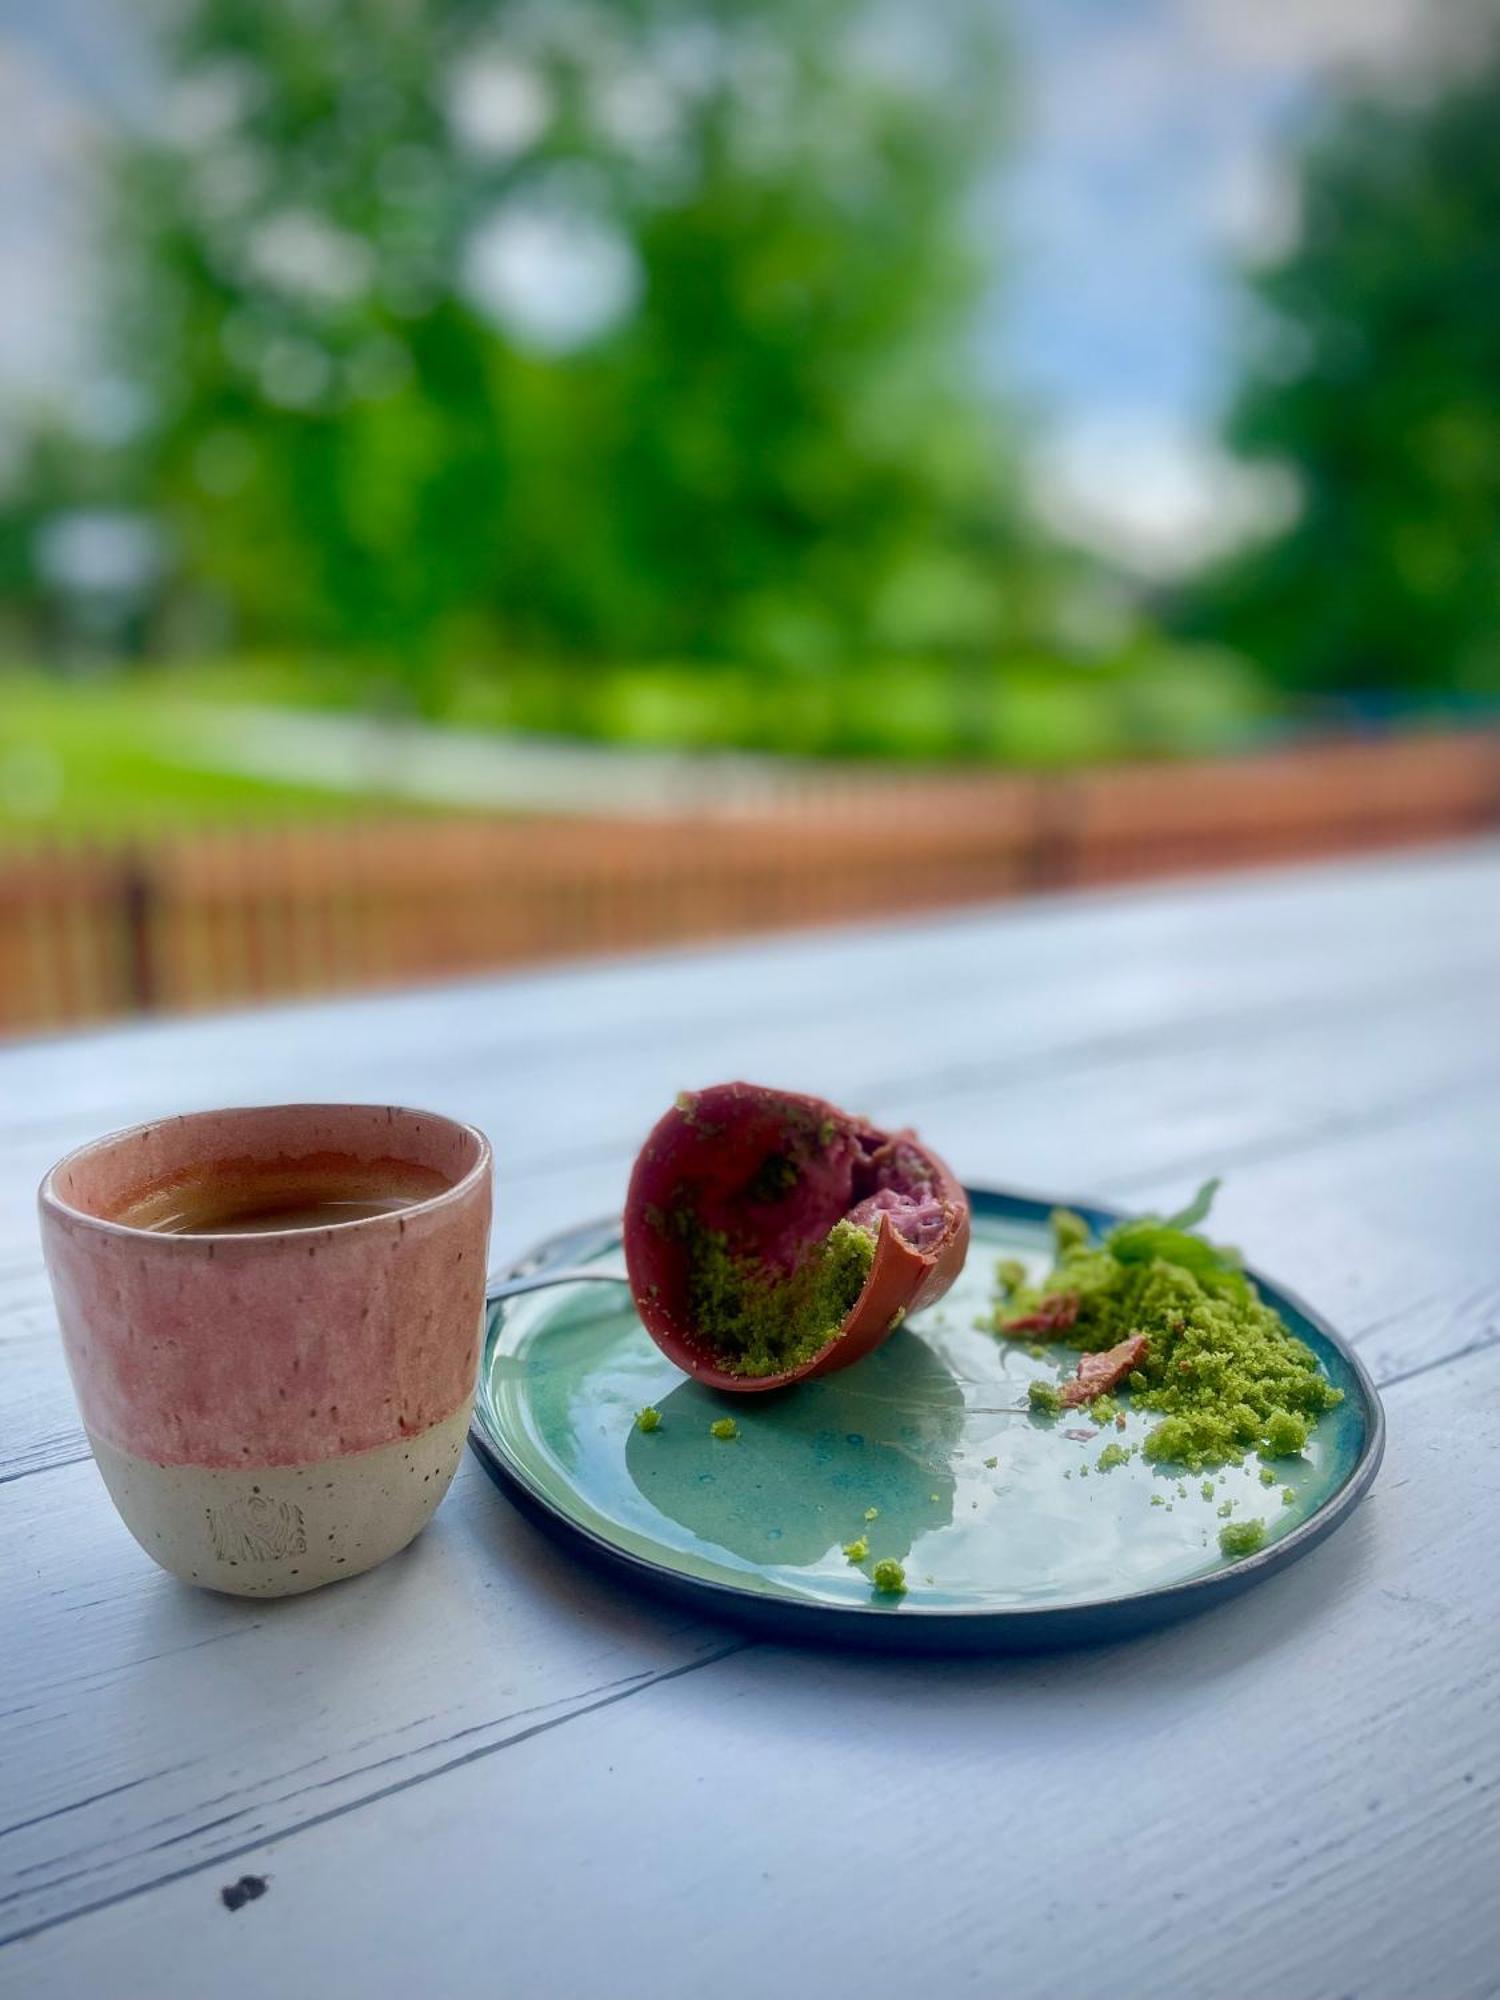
(316, 1213)
(241, 1200)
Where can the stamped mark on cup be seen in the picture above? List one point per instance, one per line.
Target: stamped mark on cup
(257, 1529)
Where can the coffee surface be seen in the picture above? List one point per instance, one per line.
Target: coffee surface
(255, 1202)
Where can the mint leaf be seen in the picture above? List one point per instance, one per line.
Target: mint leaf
(1197, 1208)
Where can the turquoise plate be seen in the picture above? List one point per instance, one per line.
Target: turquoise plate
(1011, 1536)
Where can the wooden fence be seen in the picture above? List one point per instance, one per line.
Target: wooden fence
(215, 918)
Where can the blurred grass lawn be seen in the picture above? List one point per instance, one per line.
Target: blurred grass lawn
(117, 754)
(113, 758)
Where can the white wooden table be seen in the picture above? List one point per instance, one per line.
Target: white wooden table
(485, 1771)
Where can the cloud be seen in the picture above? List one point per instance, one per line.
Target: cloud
(1154, 161)
(1152, 492)
(1294, 37)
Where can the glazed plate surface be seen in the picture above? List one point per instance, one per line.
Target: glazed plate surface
(1010, 1535)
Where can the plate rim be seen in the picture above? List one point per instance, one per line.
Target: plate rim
(902, 1625)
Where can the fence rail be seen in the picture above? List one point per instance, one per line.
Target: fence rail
(187, 922)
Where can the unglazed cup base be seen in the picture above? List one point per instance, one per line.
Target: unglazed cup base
(277, 1530)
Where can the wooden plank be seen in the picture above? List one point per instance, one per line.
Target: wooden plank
(1331, 1035)
(1395, 1234)
(1291, 1798)
(125, 1756)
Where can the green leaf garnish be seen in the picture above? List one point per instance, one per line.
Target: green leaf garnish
(1214, 1265)
(1197, 1208)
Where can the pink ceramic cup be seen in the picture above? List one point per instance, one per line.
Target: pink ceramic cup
(275, 1411)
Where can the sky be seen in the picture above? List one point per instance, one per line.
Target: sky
(1149, 165)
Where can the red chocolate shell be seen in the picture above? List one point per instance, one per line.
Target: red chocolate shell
(710, 1155)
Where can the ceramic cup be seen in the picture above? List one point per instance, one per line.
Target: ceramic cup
(272, 1412)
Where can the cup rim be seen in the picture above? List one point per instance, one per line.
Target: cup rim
(50, 1200)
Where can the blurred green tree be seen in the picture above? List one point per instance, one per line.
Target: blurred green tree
(632, 329)
(1375, 377)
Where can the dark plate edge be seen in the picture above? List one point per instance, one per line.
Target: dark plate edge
(910, 1628)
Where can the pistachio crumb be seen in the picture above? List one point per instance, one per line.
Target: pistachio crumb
(648, 1419)
(1242, 1538)
(1286, 1435)
(724, 1427)
(1010, 1274)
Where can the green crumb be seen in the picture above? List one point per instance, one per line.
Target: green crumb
(1157, 1501)
(1113, 1455)
(1242, 1538)
(1223, 1372)
(890, 1577)
(1207, 1489)
(648, 1419)
(724, 1427)
(1267, 1476)
(1045, 1398)
(1226, 1509)
(1182, 1489)
(1288, 1497)
(1286, 1435)
(990, 1464)
(872, 1513)
(1069, 1231)
(759, 1321)
(1035, 1351)
(857, 1550)
(1083, 1472)
(934, 1498)
(1103, 1410)
(1010, 1274)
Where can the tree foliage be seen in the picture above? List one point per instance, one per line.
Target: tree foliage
(1375, 378)
(635, 328)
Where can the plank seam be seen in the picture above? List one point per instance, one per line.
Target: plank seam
(474, 1756)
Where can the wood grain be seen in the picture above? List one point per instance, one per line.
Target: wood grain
(580, 1792)
(1294, 1799)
